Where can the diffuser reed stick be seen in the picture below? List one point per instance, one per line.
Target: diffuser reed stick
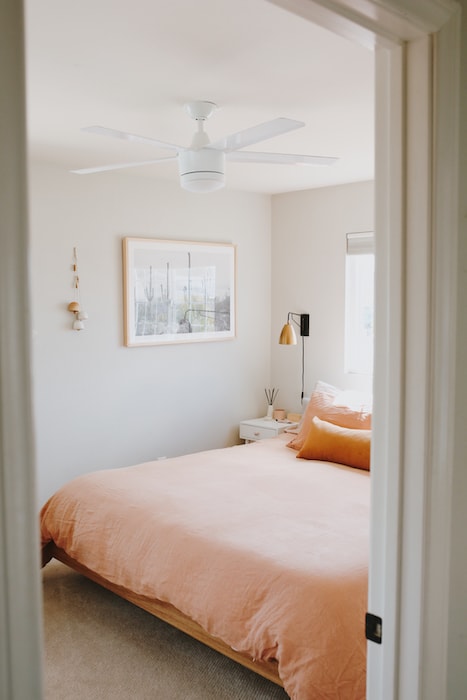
(271, 395)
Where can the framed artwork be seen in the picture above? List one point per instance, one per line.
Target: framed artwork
(177, 291)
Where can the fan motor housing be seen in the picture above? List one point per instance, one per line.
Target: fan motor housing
(202, 170)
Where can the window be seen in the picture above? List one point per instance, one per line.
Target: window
(359, 303)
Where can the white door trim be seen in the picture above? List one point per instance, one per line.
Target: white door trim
(387, 25)
(382, 666)
(20, 606)
(440, 460)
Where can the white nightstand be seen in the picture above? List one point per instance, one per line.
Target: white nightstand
(260, 428)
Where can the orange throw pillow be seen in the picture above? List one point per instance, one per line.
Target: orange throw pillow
(332, 443)
(322, 404)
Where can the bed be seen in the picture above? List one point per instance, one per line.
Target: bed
(257, 550)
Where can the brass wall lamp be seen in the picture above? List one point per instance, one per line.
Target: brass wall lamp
(289, 337)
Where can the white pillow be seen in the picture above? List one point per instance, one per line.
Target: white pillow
(355, 400)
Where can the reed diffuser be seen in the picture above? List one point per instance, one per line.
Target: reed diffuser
(271, 395)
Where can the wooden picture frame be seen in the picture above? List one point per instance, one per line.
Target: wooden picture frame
(178, 291)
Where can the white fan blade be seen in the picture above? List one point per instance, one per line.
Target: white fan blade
(114, 133)
(119, 166)
(261, 132)
(279, 158)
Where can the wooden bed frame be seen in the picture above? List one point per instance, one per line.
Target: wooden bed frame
(168, 613)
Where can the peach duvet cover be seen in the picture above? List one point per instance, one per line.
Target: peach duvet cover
(265, 551)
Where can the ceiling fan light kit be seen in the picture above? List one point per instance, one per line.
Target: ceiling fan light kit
(202, 171)
(202, 165)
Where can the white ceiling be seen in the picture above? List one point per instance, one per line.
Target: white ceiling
(132, 64)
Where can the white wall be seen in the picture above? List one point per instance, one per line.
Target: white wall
(97, 403)
(308, 273)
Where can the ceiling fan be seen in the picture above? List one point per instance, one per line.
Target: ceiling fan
(202, 164)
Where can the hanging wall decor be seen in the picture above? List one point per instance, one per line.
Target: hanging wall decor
(75, 305)
(178, 291)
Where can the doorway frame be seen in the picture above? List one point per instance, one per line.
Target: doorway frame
(417, 54)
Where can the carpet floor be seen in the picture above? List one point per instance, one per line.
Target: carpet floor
(98, 646)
